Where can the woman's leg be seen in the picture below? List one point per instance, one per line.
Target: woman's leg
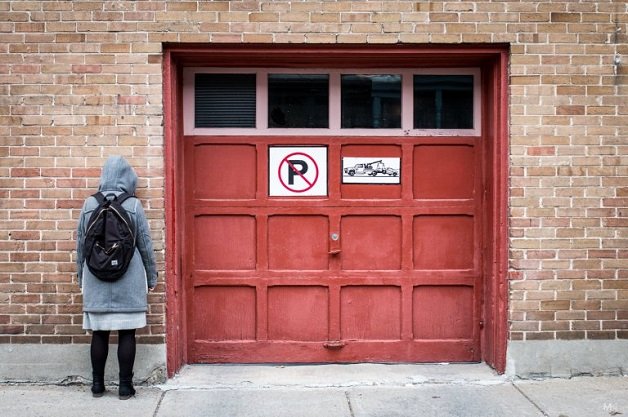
(99, 351)
(126, 351)
(126, 360)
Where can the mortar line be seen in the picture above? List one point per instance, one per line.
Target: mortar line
(529, 399)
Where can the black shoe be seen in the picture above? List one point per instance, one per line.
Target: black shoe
(126, 390)
(98, 385)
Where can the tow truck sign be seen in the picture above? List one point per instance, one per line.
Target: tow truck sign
(369, 170)
(295, 171)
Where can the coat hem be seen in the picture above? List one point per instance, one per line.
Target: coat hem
(114, 310)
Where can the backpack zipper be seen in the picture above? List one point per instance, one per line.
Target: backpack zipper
(125, 222)
(110, 250)
(118, 213)
(94, 222)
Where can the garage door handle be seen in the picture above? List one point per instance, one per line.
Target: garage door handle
(334, 243)
(334, 344)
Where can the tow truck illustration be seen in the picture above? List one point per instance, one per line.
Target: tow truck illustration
(371, 168)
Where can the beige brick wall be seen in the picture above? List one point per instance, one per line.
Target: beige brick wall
(82, 79)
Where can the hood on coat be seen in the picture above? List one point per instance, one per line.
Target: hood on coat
(118, 175)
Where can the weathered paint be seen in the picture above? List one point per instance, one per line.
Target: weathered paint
(275, 292)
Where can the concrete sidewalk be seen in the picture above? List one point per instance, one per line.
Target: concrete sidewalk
(365, 390)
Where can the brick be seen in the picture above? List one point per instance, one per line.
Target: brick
(539, 336)
(11, 329)
(570, 335)
(616, 284)
(77, 73)
(525, 80)
(534, 17)
(553, 305)
(570, 110)
(601, 335)
(190, 6)
(264, 17)
(325, 17)
(444, 17)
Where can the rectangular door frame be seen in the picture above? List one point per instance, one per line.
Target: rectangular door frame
(492, 59)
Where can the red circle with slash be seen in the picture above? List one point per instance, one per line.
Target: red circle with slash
(291, 167)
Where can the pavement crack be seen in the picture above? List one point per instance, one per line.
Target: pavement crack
(161, 398)
(530, 400)
(349, 403)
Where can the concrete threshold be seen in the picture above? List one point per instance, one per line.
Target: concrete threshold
(212, 377)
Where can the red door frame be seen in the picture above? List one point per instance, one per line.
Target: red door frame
(492, 59)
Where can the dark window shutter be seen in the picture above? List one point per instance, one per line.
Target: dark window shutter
(224, 100)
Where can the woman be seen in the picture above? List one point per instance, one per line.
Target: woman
(122, 304)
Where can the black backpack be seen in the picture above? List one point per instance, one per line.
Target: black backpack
(110, 238)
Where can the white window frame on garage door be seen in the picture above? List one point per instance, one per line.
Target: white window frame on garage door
(407, 103)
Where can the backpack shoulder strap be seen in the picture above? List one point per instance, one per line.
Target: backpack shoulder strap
(123, 197)
(99, 197)
(123, 212)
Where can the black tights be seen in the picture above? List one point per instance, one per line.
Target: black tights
(126, 351)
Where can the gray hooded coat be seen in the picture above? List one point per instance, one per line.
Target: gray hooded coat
(128, 294)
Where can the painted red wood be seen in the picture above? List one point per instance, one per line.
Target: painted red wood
(298, 313)
(228, 171)
(444, 312)
(175, 324)
(495, 164)
(267, 282)
(370, 312)
(417, 341)
(298, 242)
(443, 171)
(224, 312)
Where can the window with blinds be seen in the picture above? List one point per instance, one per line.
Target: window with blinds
(224, 100)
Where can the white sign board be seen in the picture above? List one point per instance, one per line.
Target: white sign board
(369, 170)
(297, 171)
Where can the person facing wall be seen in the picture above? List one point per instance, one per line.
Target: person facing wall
(120, 304)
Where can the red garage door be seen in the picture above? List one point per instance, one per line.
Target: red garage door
(383, 263)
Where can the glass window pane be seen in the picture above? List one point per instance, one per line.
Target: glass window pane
(298, 101)
(224, 100)
(371, 101)
(443, 102)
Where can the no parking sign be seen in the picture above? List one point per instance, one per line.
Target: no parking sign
(295, 171)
